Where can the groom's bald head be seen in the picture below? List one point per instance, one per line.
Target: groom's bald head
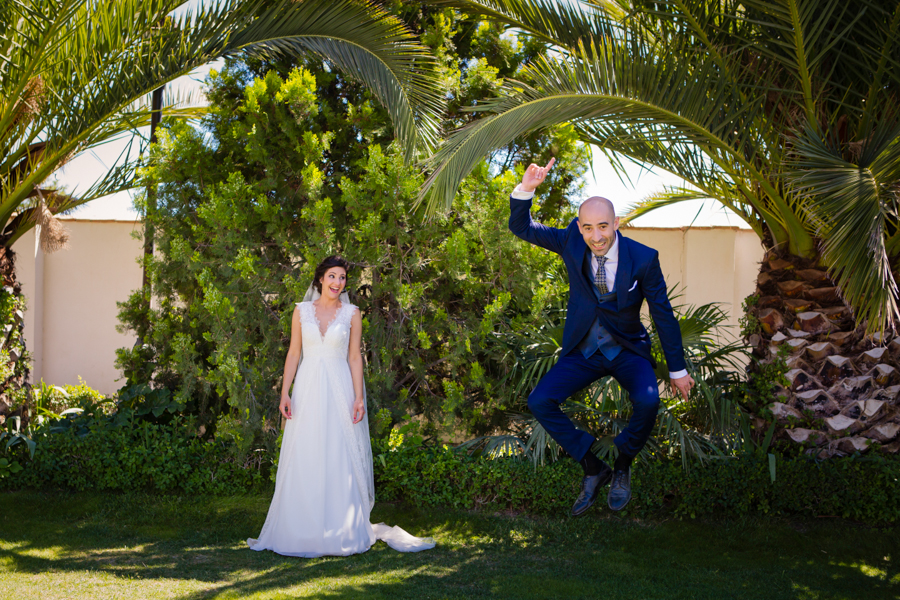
(597, 203)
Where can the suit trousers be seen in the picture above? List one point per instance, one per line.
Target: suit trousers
(574, 372)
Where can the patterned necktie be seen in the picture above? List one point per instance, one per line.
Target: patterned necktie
(600, 277)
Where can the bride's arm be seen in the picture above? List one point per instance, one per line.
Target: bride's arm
(290, 363)
(356, 366)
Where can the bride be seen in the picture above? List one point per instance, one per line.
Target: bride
(324, 488)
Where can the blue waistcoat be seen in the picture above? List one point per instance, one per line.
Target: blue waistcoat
(598, 338)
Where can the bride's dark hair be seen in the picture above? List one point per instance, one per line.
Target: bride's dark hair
(329, 263)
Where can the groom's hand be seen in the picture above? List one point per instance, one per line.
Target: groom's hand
(683, 385)
(534, 176)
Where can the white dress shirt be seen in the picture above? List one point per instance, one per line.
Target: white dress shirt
(611, 266)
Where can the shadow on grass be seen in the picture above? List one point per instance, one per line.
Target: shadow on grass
(196, 547)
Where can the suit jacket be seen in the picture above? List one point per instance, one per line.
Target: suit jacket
(638, 277)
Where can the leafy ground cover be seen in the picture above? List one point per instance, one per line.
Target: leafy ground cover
(90, 545)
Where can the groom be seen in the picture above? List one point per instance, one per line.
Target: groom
(609, 278)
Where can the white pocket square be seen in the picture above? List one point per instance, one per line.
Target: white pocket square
(633, 285)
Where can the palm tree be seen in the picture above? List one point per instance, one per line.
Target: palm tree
(75, 74)
(786, 112)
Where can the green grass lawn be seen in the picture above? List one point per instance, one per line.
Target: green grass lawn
(101, 546)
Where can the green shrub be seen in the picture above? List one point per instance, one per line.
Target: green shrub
(14, 359)
(96, 451)
(52, 400)
(119, 452)
(863, 489)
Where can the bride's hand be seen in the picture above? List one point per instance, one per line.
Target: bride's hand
(359, 410)
(285, 406)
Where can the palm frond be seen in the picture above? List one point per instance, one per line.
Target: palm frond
(494, 446)
(624, 92)
(672, 195)
(366, 43)
(564, 24)
(540, 446)
(855, 206)
(75, 73)
(805, 33)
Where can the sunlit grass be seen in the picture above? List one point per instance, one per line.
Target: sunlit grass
(96, 546)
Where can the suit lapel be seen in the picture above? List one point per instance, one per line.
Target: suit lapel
(588, 271)
(623, 273)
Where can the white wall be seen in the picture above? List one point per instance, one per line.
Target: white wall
(707, 264)
(70, 323)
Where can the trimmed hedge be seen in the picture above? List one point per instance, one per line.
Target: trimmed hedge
(143, 456)
(862, 489)
(138, 456)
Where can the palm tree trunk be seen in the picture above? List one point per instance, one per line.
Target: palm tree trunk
(840, 393)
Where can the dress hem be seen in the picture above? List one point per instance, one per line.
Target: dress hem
(258, 548)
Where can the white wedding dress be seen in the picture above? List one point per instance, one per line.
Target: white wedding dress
(324, 488)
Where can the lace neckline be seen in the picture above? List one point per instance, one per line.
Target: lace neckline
(315, 315)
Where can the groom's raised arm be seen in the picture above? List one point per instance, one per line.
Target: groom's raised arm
(520, 221)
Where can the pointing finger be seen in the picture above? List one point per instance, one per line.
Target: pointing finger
(550, 164)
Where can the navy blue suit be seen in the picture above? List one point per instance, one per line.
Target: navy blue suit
(638, 277)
